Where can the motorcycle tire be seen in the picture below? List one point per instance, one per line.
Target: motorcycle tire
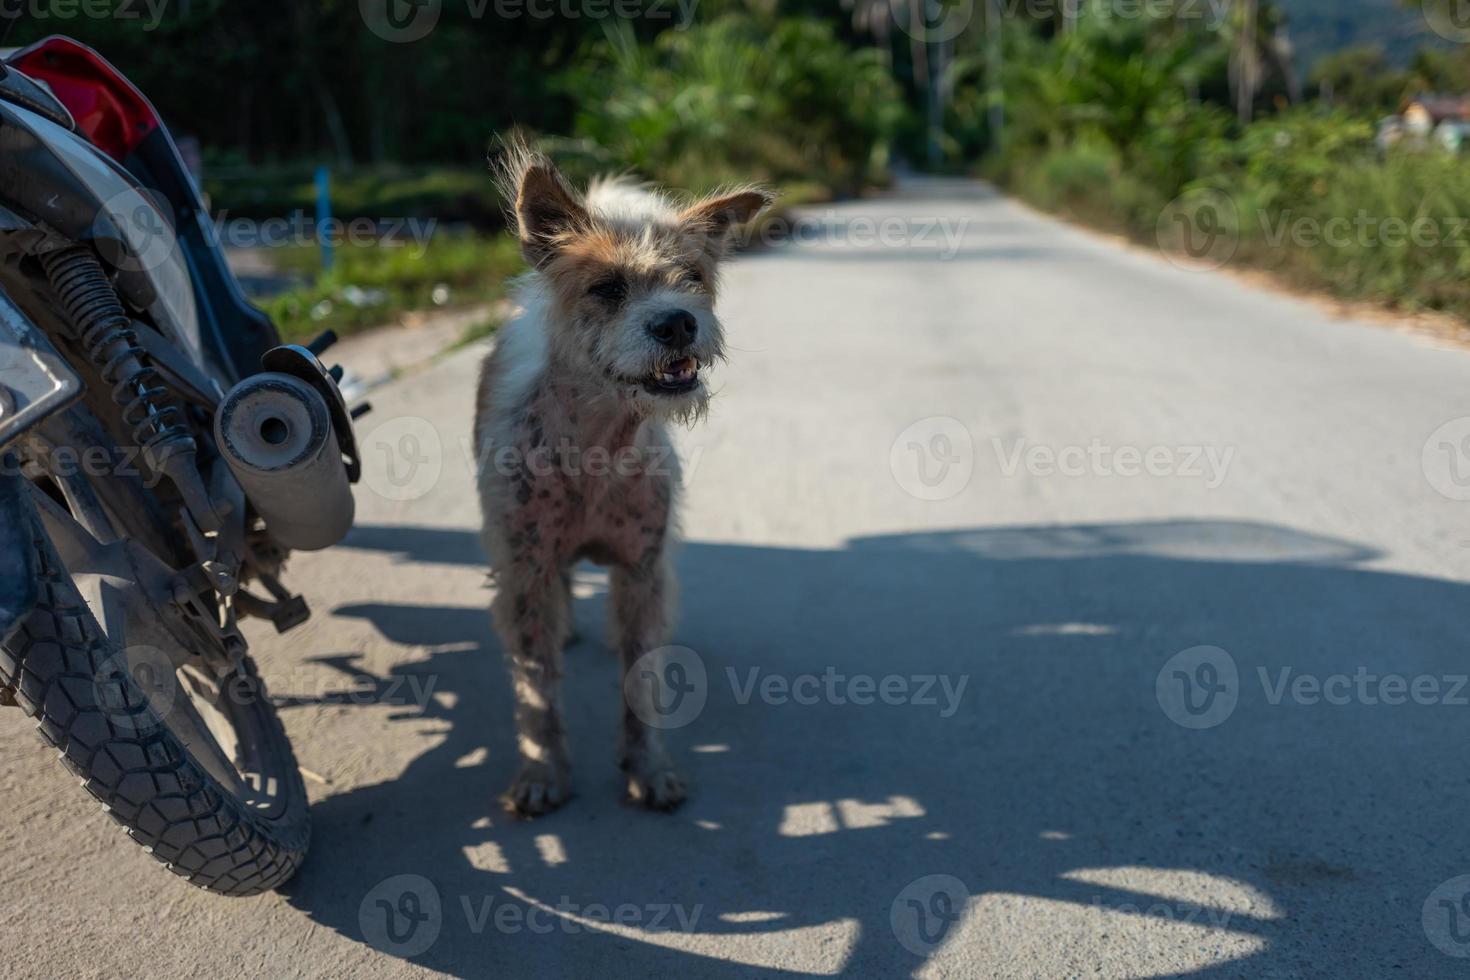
(66, 674)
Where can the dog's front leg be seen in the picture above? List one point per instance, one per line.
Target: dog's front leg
(532, 617)
(641, 600)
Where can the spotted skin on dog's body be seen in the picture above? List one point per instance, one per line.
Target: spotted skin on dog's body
(616, 326)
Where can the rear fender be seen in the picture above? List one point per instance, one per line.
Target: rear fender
(17, 546)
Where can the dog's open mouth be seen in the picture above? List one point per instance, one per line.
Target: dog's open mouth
(674, 378)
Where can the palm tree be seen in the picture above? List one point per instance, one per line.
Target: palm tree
(1259, 43)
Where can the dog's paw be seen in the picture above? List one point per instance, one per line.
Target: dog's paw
(657, 789)
(537, 789)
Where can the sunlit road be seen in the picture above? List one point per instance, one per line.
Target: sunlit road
(963, 515)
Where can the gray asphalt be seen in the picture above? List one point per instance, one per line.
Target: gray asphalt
(1044, 467)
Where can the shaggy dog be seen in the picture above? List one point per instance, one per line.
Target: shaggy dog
(615, 332)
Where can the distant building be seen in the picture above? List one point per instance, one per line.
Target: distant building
(1430, 118)
(1426, 112)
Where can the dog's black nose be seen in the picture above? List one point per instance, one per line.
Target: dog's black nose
(675, 329)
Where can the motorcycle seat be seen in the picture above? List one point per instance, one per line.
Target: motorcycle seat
(29, 94)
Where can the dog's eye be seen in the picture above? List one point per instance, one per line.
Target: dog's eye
(613, 290)
(694, 276)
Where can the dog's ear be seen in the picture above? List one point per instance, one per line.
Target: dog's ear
(716, 215)
(546, 208)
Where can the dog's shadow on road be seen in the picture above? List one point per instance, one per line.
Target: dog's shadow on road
(1290, 836)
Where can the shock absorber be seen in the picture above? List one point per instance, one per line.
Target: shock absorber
(108, 340)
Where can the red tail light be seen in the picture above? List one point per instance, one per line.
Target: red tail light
(109, 109)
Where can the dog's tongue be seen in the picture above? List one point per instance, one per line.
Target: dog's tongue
(679, 371)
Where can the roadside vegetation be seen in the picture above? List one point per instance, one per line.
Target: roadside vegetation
(783, 101)
(1180, 123)
(371, 285)
(1131, 125)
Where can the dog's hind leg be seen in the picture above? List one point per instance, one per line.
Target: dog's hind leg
(532, 619)
(641, 600)
(574, 635)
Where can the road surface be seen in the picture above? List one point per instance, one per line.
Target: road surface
(1061, 611)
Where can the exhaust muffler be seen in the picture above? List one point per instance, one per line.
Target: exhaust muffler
(275, 432)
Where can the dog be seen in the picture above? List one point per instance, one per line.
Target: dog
(614, 335)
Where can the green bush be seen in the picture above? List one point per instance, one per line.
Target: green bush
(734, 100)
(1410, 238)
(373, 285)
(449, 194)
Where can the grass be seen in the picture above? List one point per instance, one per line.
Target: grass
(463, 195)
(1393, 232)
(373, 285)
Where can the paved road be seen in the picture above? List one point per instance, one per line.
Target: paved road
(917, 474)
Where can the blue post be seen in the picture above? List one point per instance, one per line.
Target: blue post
(324, 217)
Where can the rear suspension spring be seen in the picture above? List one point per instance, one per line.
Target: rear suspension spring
(111, 344)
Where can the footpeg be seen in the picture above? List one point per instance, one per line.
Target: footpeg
(290, 613)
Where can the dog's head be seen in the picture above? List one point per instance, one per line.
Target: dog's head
(630, 279)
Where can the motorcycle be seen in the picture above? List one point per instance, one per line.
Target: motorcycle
(161, 455)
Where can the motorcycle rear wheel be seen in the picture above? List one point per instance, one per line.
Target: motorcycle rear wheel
(237, 835)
